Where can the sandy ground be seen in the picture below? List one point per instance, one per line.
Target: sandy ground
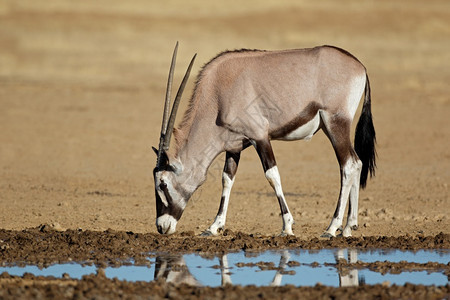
(81, 93)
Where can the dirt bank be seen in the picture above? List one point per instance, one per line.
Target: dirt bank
(44, 245)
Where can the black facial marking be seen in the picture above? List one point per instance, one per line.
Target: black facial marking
(163, 187)
(173, 209)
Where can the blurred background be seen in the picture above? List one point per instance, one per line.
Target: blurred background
(82, 86)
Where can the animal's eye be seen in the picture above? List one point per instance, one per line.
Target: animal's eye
(163, 185)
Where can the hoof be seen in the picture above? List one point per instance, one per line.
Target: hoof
(354, 227)
(344, 234)
(207, 233)
(347, 232)
(286, 234)
(327, 235)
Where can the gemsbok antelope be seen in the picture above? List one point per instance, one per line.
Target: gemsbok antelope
(247, 98)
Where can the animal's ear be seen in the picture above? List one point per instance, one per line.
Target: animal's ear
(169, 162)
(155, 150)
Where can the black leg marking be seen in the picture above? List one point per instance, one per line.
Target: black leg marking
(265, 152)
(283, 207)
(338, 132)
(230, 168)
(349, 207)
(222, 202)
(231, 164)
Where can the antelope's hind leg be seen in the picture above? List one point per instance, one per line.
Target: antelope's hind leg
(352, 219)
(338, 131)
(228, 175)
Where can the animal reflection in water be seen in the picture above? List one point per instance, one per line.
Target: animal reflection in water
(173, 269)
(348, 276)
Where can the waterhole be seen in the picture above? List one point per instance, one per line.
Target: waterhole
(331, 267)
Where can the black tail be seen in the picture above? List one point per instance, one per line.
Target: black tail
(365, 138)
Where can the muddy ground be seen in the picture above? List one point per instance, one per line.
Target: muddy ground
(81, 92)
(97, 287)
(45, 246)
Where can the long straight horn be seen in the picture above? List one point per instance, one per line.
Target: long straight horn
(176, 103)
(166, 105)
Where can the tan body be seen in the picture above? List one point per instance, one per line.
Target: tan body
(245, 98)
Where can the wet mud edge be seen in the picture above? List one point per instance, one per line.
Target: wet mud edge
(44, 245)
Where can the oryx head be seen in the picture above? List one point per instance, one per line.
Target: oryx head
(171, 195)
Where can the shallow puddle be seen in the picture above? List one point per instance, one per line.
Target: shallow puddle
(331, 267)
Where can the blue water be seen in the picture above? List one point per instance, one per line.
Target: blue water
(194, 269)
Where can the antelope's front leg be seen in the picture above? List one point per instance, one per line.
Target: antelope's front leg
(265, 152)
(228, 175)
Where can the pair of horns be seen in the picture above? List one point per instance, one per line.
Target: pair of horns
(169, 120)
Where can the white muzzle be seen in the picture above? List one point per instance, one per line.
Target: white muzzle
(166, 224)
